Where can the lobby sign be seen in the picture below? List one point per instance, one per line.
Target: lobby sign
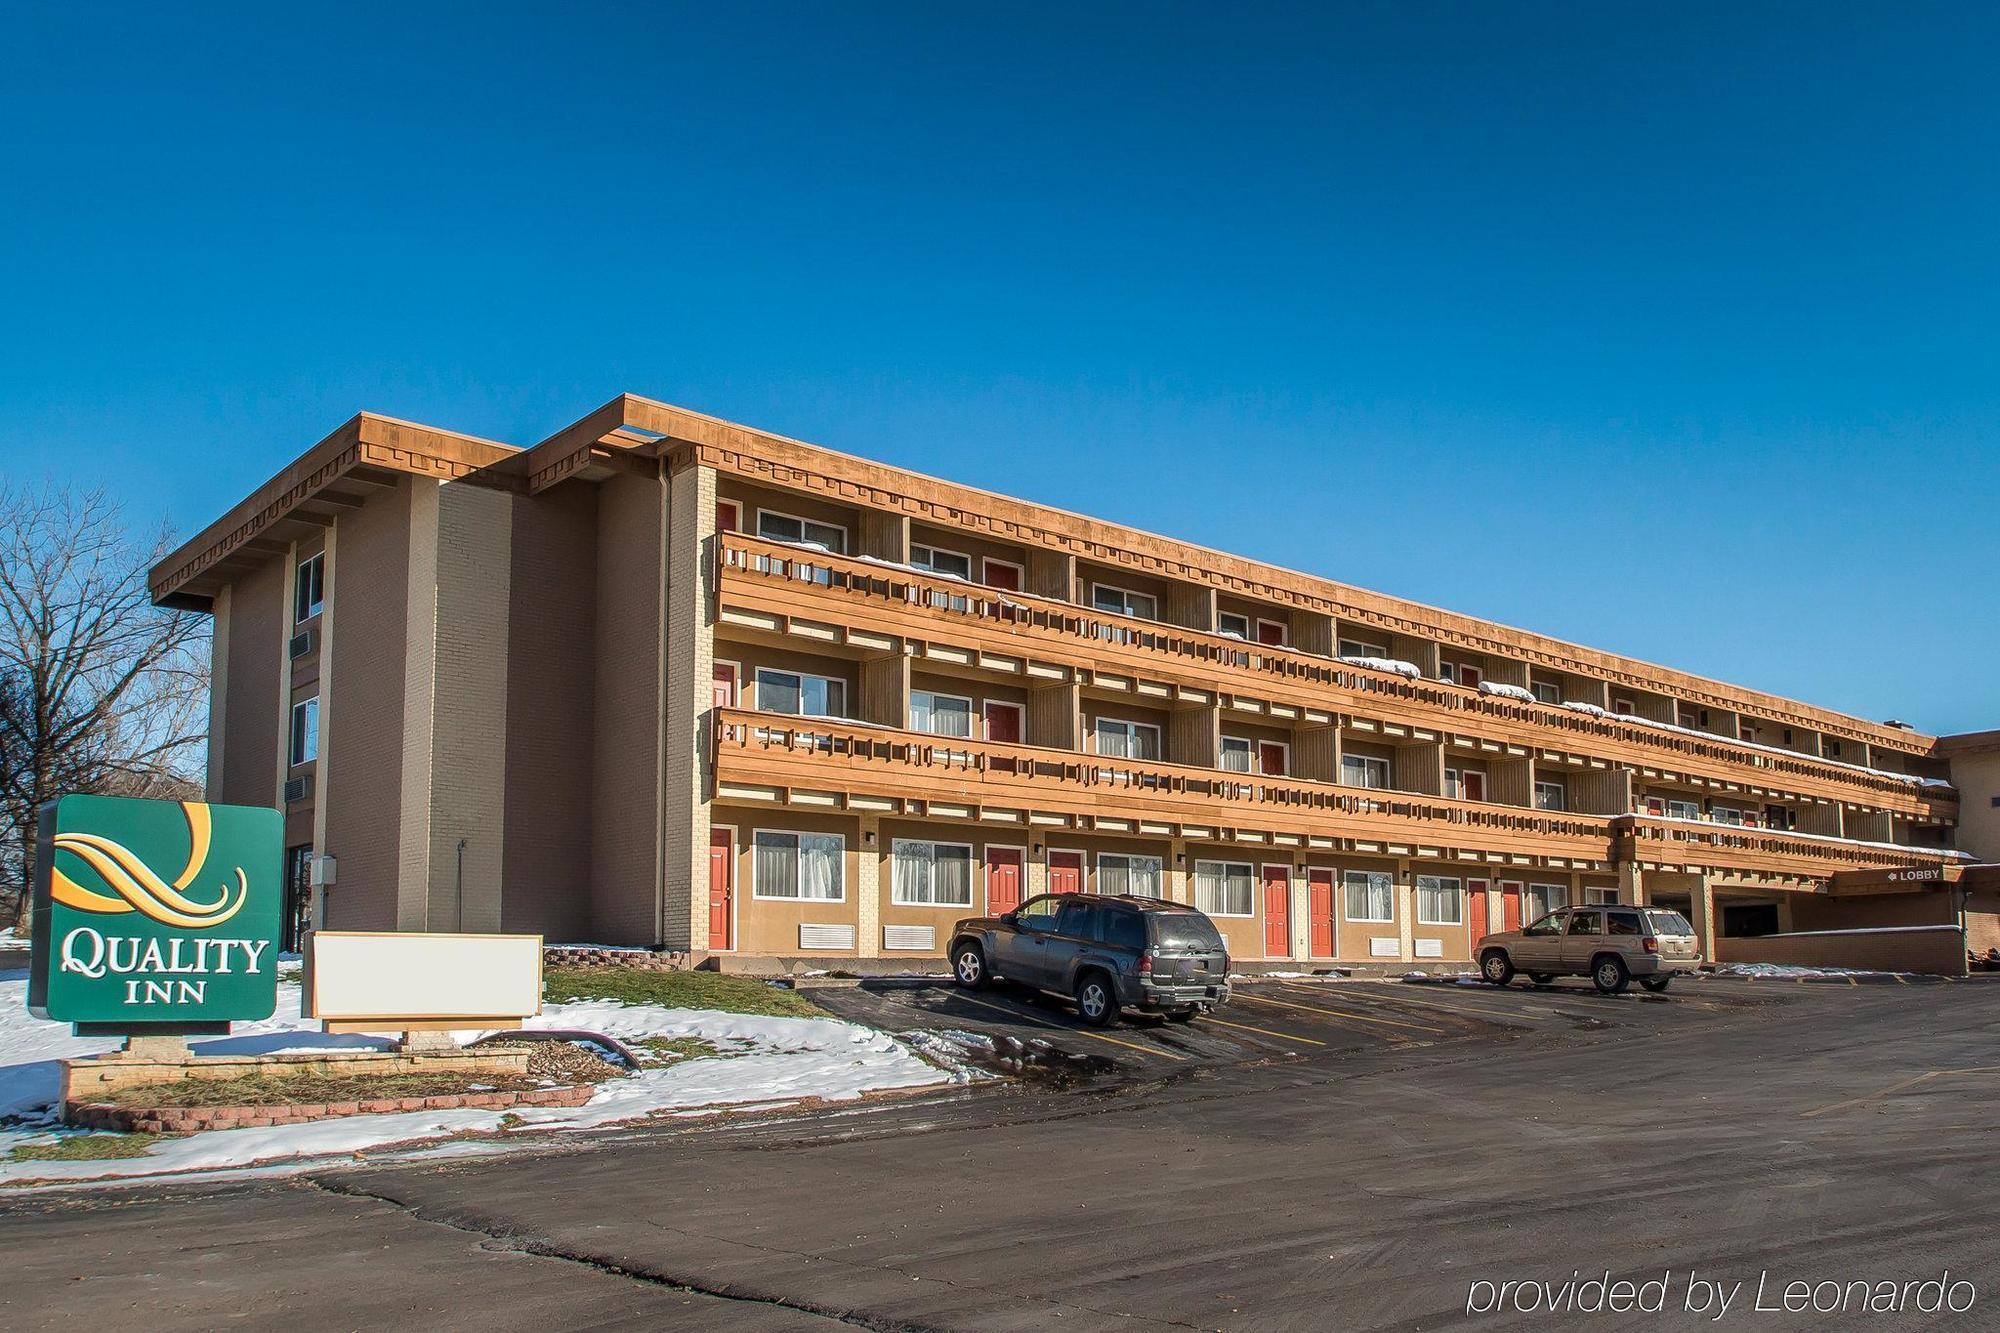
(154, 915)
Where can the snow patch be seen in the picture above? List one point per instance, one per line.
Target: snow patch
(764, 1061)
(1397, 665)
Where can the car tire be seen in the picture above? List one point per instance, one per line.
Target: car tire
(1182, 1015)
(1541, 978)
(1656, 984)
(1608, 974)
(968, 966)
(1096, 999)
(1495, 968)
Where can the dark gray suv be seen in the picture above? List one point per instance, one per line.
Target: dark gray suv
(1110, 953)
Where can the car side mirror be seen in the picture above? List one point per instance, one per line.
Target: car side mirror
(1009, 920)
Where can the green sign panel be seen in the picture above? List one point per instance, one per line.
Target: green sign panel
(155, 915)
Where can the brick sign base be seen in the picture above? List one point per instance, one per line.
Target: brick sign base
(191, 1119)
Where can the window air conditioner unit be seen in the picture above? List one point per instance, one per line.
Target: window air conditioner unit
(297, 789)
(302, 643)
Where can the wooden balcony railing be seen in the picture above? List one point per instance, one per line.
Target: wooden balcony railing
(828, 754)
(784, 580)
(1652, 840)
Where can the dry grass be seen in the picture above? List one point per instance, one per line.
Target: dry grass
(676, 990)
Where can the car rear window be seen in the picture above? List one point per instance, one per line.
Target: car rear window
(1669, 923)
(1185, 930)
(1121, 930)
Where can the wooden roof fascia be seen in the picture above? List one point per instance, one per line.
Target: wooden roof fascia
(364, 445)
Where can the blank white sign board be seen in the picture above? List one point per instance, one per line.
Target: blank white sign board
(392, 978)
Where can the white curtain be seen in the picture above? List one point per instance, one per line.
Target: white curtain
(1222, 888)
(914, 861)
(777, 866)
(951, 871)
(819, 866)
(1437, 901)
(1370, 896)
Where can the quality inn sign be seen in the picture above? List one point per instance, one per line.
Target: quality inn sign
(152, 916)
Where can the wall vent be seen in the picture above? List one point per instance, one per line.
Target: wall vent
(922, 939)
(821, 936)
(302, 643)
(1430, 948)
(1384, 946)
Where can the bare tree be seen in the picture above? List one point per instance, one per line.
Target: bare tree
(100, 691)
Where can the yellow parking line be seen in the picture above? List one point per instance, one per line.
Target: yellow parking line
(1474, 1010)
(1245, 1027)
(1337, 1015)
(1064, 1027)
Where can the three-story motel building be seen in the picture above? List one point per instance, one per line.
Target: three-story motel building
(668, 681)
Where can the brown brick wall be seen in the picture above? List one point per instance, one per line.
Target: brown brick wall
(1818, 912)
(363, 723)
(1930, 952)
(471, 718)
(629, 642)
(259, 615)
(550, 629)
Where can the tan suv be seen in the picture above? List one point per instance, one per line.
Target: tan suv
(1610, 944)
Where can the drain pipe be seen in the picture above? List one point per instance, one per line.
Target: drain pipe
(458, 887)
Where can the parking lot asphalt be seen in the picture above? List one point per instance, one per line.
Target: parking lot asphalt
(1344, 1155)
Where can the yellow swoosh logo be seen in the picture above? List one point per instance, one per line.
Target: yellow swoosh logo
(134, 885)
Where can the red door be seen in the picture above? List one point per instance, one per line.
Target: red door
(1003, 723)
(1475, 911)
(1065, 872)
(1277, 912)
(1474, 785)
(1000, 574)
(1271, 632)
(1003, 879)
(726, 516)
(1271, 759)
(1319, 889)
(1510, 907)
(721, 889)
(725, 685)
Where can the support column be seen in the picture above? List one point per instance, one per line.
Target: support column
(1630, 888)
(1178, 879)
(1301, 915)
(1406, 910)
(868, 852)
(687, 758)
(1702, 899)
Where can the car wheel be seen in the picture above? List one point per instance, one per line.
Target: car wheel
(1096, 999)
(1541, 978)
(1608, 974)
(968, 966)
(1495, 968)
(1181, 1016)
(1656, 984)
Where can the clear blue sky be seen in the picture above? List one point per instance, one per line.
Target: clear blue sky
(1674, 329)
